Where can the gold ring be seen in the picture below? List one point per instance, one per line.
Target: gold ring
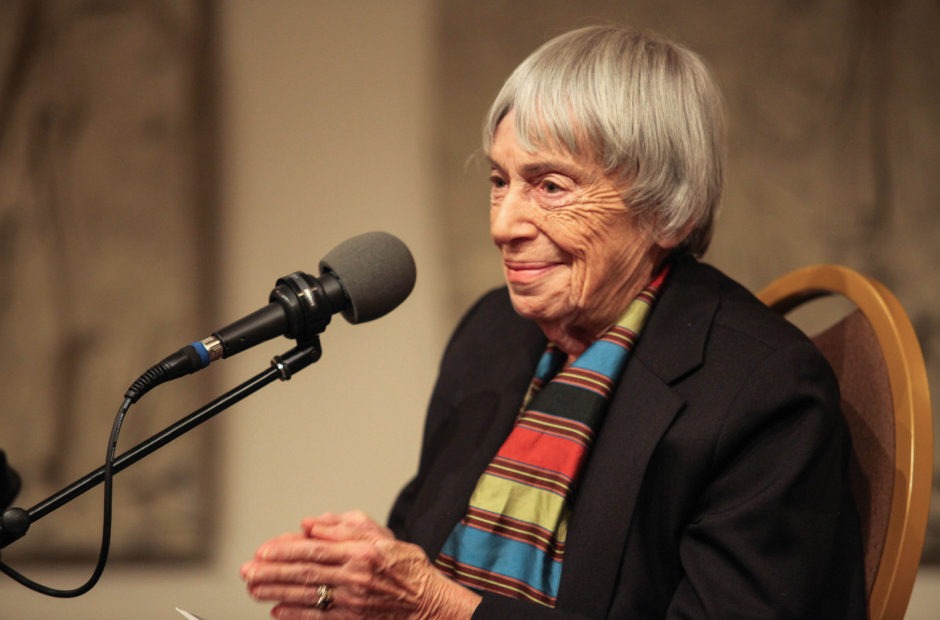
(324, 598)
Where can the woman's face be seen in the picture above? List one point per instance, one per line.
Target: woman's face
(573, 255)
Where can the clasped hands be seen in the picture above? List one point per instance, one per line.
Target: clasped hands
(369, 573)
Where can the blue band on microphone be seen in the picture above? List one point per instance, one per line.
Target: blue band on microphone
(203, 353)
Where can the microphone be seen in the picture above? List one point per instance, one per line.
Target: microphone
(9, 482)
(364, 278)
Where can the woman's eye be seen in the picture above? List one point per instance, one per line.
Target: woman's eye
(551, 187)
(497, 182)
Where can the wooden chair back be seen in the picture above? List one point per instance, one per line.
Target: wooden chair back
(886, 403)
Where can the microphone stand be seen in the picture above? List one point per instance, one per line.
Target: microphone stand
(15, 522)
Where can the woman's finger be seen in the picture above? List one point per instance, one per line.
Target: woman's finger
(353, 525)
(304, 549)
(296, 595)
(302, 573)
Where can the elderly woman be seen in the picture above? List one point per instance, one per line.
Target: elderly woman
(622, 431)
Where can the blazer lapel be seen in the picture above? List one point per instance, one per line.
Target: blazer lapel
(640, 412)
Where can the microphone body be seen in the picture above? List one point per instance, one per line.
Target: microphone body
(300, 307)
(364, 277)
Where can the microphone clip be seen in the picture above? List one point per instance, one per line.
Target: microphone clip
(308, 302)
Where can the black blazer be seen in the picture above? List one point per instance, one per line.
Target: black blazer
(716, 487)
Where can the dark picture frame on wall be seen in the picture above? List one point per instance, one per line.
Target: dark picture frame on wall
(107, 199)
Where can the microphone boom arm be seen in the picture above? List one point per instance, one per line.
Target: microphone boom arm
(15, 522)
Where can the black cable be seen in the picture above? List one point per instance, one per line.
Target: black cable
(105, 522)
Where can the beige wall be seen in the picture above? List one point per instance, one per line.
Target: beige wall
(325, 135)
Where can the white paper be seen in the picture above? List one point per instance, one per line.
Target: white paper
(188, 615)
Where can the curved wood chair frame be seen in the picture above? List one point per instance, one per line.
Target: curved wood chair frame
(890, 592)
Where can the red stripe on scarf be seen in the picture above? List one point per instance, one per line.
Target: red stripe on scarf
(548, 452)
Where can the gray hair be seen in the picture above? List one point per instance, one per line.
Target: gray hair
(646, 109)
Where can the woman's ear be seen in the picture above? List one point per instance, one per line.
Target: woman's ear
(672, 240)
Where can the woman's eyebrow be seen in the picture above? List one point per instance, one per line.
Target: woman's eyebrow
(539, 168)
(544, 167)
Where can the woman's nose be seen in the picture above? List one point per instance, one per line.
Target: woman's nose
(511, 217)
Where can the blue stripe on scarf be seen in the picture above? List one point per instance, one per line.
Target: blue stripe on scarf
(504, 556)
(604, 357)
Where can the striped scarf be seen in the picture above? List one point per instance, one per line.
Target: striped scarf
(512, 539)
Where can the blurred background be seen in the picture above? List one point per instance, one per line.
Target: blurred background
(163, 162)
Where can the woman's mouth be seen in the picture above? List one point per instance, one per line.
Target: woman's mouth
(526, 272)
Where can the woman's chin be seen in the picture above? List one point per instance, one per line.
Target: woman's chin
(533, 307)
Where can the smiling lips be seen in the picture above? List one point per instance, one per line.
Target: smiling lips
(526, 272)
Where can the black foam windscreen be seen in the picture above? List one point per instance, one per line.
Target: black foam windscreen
(376, 271)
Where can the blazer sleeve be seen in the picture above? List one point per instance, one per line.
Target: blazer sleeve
(774, 531)
(440, 409)
(476, 352)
